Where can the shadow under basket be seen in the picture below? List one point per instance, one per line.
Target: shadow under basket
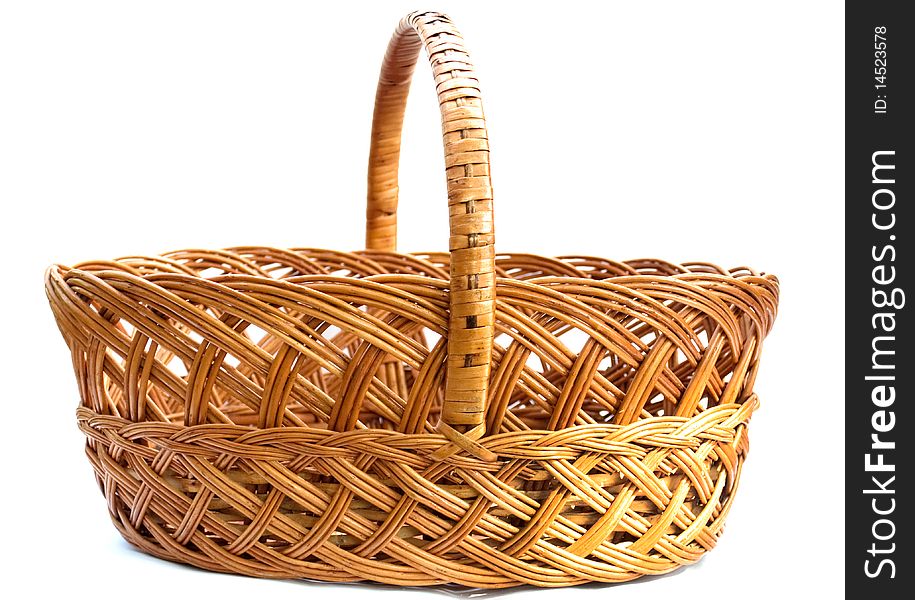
(464, 417)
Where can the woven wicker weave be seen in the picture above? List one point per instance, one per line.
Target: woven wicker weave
(416, 419)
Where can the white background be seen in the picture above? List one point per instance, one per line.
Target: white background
(688, 131)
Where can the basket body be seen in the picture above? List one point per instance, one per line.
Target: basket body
(274, 413)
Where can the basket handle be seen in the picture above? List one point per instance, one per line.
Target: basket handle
(472, 291)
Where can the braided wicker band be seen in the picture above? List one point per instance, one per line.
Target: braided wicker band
(472, 291)
(320, 414)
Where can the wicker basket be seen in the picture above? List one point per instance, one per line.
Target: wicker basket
(416, 419)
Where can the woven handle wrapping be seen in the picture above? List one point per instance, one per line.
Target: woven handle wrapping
(472, 296)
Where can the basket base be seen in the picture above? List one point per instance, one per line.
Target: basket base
(255, 517)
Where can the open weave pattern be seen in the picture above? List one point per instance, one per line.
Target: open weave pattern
(273, 413)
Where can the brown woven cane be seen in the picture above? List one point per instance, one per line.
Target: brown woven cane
(416, 419)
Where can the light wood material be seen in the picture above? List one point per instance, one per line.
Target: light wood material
(469, 199)
(454, 417)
